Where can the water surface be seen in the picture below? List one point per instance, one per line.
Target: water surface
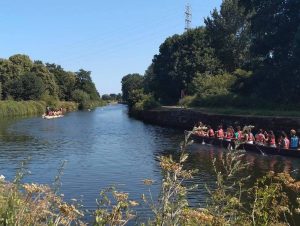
(105, 147)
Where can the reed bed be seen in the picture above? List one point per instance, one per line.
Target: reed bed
(11, 108)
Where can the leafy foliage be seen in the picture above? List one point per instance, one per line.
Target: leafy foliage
(257, 42)
(139, 101)
(181, 57)
(131, 82)
(23, 79)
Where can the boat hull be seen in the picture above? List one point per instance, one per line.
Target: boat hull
(213, 141)
(52, 116)
(247, 147)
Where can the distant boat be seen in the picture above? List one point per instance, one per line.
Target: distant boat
(44, 116)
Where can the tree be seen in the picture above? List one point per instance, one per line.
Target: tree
(11, 70)
(22, 61)
(228, 34)
(131, 82)
(28, 87)
(275, 49)
(0, 91)
(80, 96)
(47, 77)
(85, 83)
(106, 97)
(64, 79)
(180, 58)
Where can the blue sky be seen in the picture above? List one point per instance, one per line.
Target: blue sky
(110, 38)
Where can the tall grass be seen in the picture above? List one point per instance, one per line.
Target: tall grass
(11, 108)
(21, 108)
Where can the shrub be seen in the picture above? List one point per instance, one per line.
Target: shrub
(139, 101)
(186, 101)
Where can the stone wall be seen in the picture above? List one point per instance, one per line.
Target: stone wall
(187, 118)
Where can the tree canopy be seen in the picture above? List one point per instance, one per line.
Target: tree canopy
(249, 51)
(131, 82)
(23, 79)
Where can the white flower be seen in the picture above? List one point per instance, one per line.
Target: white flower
(2, 178)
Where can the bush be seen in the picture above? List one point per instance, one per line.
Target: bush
(217, 85)
(186, 101)
(139, 101)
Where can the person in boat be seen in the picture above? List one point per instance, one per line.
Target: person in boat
(229, 133)
(47, 110)
(284, 142)
(220, 132)
(294, 144)
(238, 134)
(260, 138)
(199, 129)
(249, 138)
(271, 141)
(210, 132)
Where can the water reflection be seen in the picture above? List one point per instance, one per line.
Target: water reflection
(9, 136)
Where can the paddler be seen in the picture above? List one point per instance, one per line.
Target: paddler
(220, 132)
(249, 138)
(271, 139)
(210, 132)
(238, 134)
(260, 137)
(284, 141)
(229, 133)
(294, 140)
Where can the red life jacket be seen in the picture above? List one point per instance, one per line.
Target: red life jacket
(250, 137)
(272, 140)
(260, 138)
(220, 133)
(211, 133)
(229, 135)
(286, 143)
(240, 135)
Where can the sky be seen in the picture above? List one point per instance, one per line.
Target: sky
(109, 38)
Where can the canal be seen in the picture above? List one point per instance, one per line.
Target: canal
(105, 147)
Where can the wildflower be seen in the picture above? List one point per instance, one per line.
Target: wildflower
(121, 196)
(35, 188)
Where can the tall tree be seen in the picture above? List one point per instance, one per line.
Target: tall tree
(40, 70)
(28, 87)
(85, 83)
(64, 79)
(131, 82)
(180, 58)
(228, 33)
(275, 48)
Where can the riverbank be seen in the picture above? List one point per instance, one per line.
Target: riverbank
(186, 118)
(11, 108)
